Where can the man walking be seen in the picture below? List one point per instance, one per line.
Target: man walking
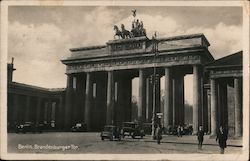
(222, 139)
(158, 133)
(200, 137)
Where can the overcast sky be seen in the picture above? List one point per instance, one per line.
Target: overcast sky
(39, 37)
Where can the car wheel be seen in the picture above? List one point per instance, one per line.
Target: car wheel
(102, 138)
(141, 136)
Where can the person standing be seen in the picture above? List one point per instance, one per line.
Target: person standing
(222, 139)
(179, 130)
(158, 134)
(200, 137)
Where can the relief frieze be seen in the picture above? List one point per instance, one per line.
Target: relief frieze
(160, 61)
(226, 73)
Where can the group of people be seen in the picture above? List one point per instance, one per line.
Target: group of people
(221, 137)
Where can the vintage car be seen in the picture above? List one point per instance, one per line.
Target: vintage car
(29, 127)
(79, 127)
(111, 132)
(132, 129)
(147, 127)
(187, 130)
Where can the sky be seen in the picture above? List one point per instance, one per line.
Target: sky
(40, 36)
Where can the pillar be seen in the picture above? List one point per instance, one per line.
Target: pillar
(149, 96)
(110, 98)
(214, 109)
(68, 102)
(196, 98)
(16, 105)
(167, 99)
(209, 111)
(88, 99)
(27, 109)
(60, 113)
(141, 98)
(238, 107)
(158, 94)
(38, 110)
(174, 105)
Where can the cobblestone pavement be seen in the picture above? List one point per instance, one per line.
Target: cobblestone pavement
(63, 142)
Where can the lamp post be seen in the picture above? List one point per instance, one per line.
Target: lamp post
(154, 77)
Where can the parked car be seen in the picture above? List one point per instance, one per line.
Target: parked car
(79, 127)
(132, 129)
(29, 127)
(171, 130)
(188, 130)
(147, 127)
(111, 132)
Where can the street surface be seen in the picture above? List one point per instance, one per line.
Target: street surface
(72, 143)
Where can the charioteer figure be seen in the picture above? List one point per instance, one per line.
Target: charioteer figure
(137, 29)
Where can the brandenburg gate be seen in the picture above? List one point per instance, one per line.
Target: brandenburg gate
(99, 80)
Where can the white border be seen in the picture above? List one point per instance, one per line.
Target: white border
(3, 82)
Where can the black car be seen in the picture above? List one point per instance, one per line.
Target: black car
(111, 132)
(187, 130)
(79, 127)
(132, 129)
(29, 127)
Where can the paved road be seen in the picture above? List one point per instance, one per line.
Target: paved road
(91, 143)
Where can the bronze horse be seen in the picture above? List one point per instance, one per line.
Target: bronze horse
(124, 34)
(117, 32)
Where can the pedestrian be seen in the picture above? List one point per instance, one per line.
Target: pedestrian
(179, 130)
(182, 131)
(158, 134)
(200, 137)
(222, 139)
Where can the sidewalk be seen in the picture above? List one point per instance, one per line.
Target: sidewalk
(193, 140)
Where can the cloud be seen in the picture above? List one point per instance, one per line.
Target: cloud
(37, 52)
(224, 39)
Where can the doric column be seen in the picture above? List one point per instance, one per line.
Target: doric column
(60, 117)
(196, 97)
(168, 99)
(110, 98)
(49, 111)
(141, 98)
(209, 110)
(27, 109)
(214, 110)
(38, 109)
(68, 102)
(173, 104)
(180, 97)
(16, 104)
(149, 96)
(88, 99)
(238, 111)
(158, 94)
